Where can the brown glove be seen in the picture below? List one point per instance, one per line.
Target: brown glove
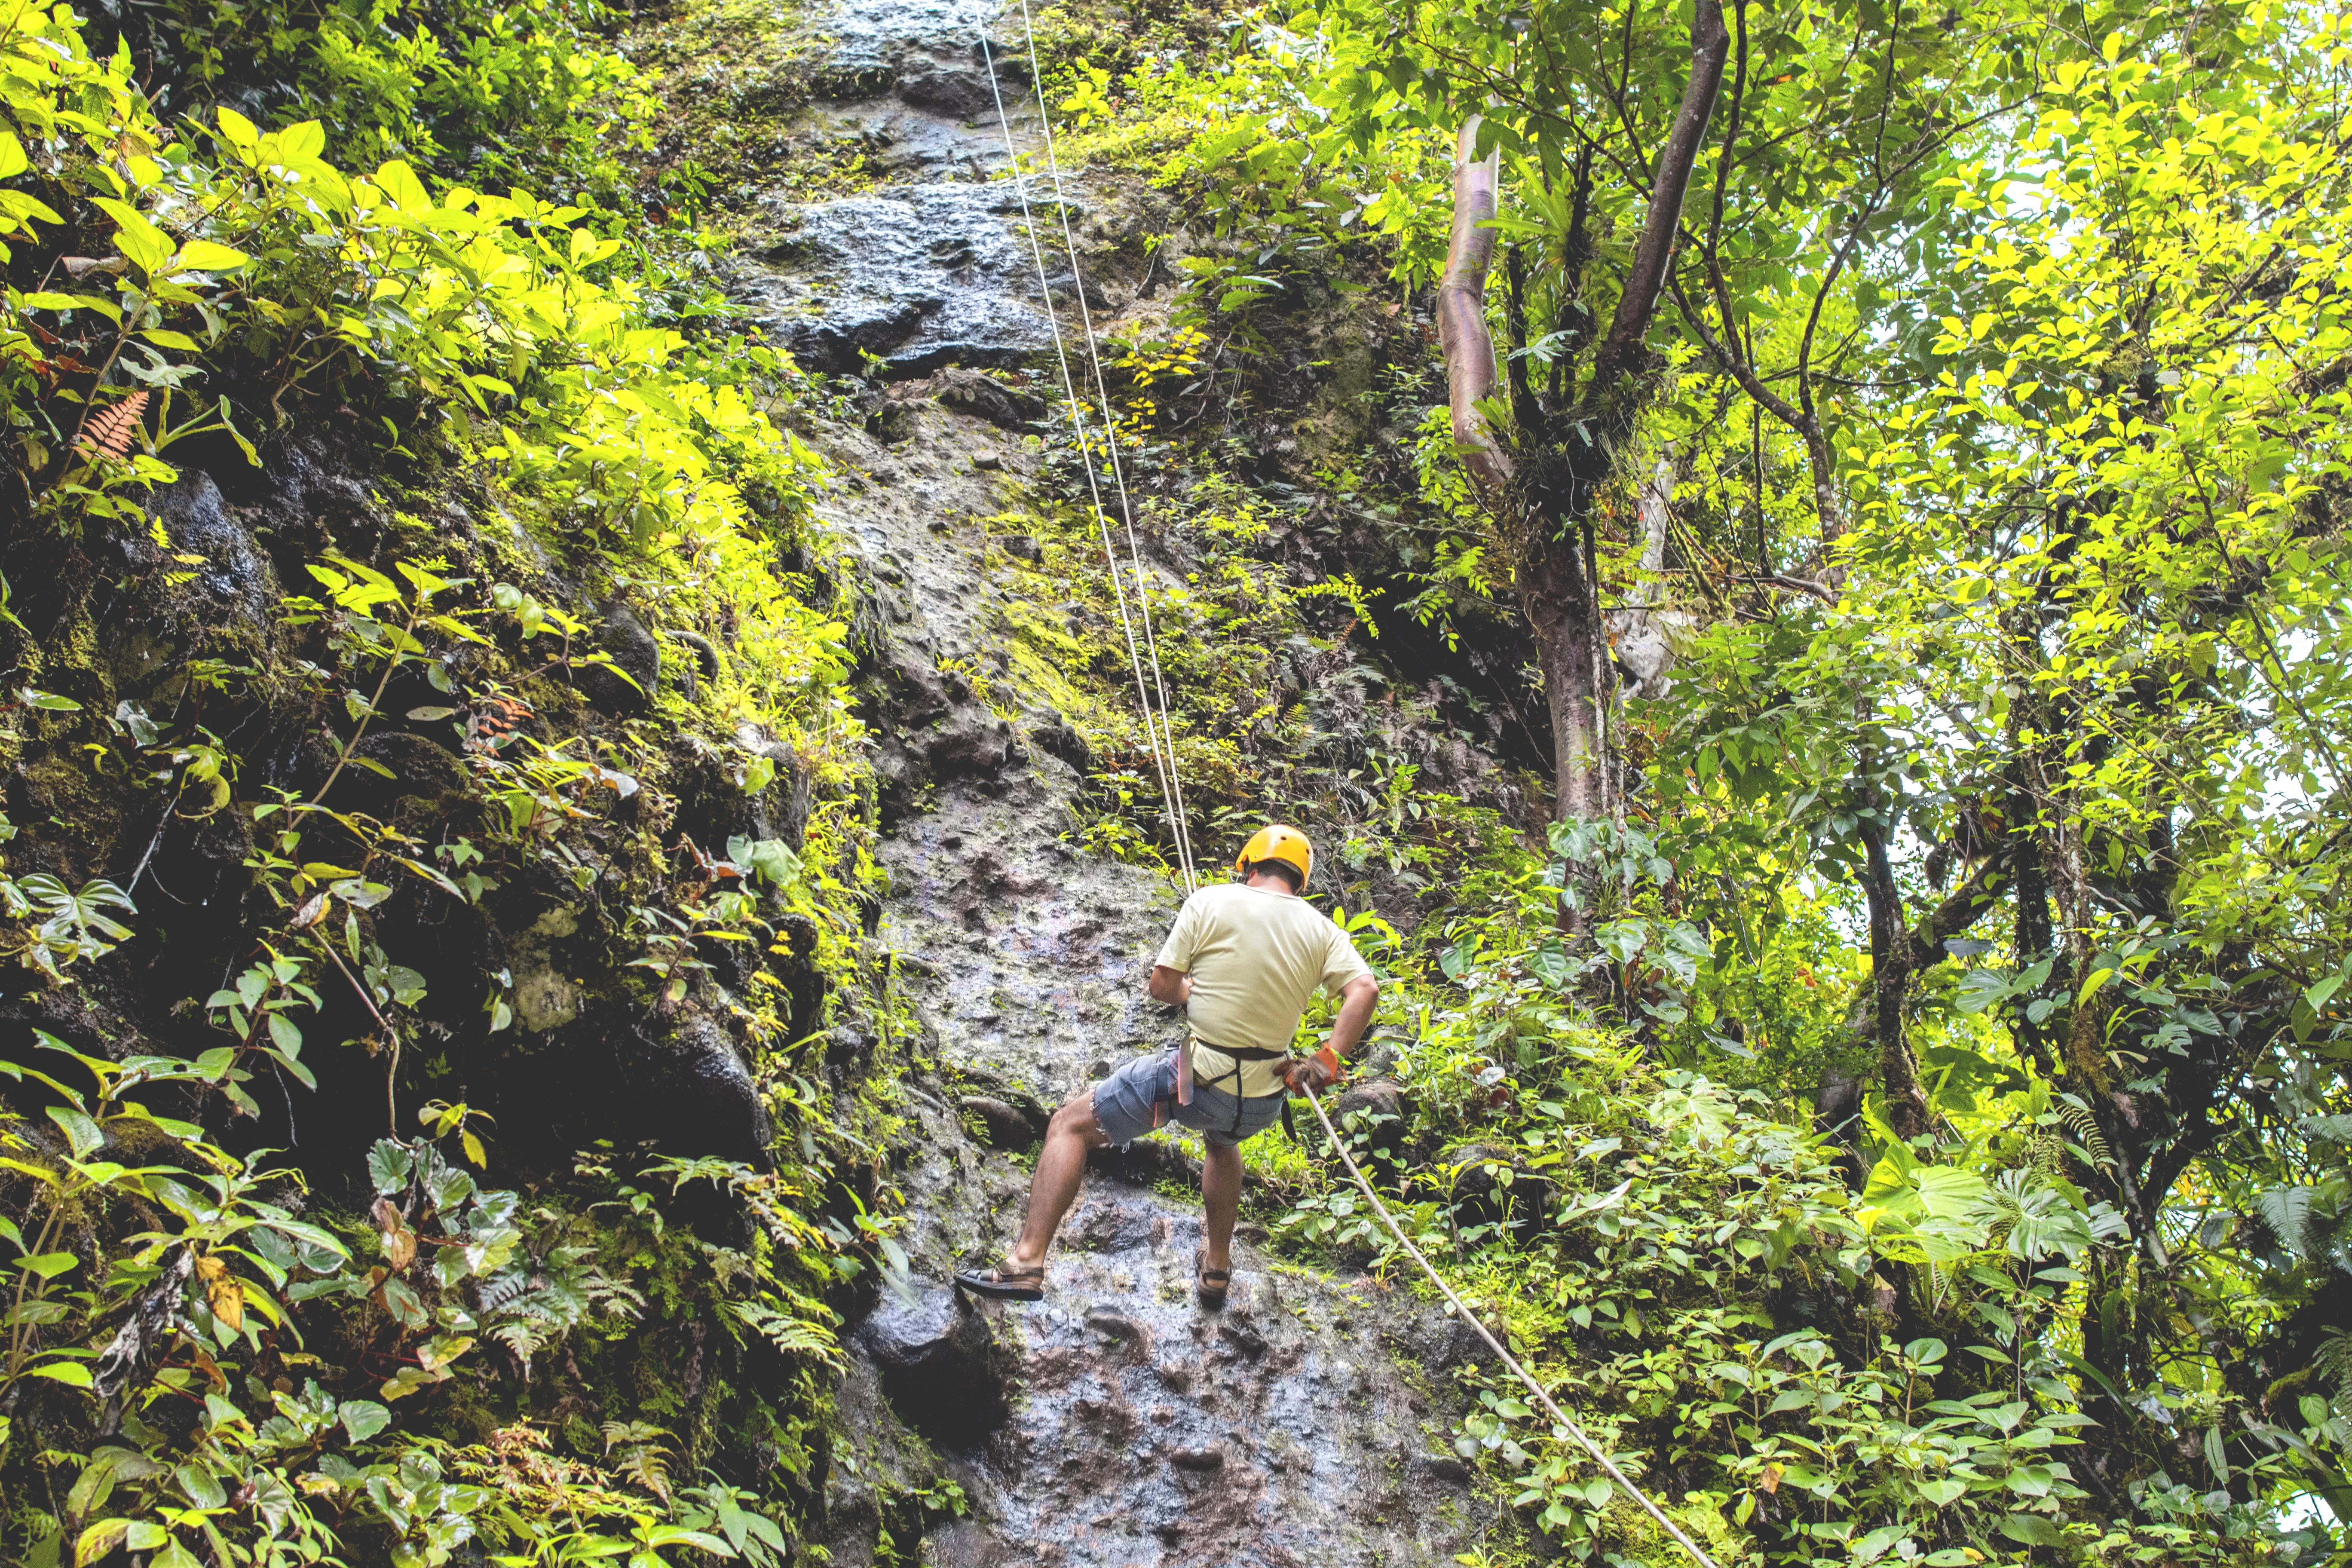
(1316, 1072)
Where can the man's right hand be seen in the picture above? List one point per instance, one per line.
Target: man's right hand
(1172, 986)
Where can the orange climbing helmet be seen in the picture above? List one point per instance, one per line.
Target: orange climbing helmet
(1276, 842)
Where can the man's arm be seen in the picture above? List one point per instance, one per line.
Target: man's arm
(1173, 986)
(1357, 999)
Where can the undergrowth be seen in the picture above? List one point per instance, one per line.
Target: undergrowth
(563, 675)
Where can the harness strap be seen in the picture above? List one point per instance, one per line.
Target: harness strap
(1237, 1055)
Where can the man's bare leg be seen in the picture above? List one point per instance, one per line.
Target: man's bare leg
(1221, 1202)
(1061, 1165)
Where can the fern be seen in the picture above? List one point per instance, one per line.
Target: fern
(793, 1336)
(644, 1458)
(2085, 1127)
(110, 430)
(2332, 1364)
(2287, 1212)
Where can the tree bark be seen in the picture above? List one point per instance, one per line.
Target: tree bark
(1558, 602)
(1629, 328)
(1900, 953)
(1462, 309)
(1890, 977)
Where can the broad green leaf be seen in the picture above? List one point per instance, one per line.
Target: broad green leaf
(82, 1134)
(362, 1418)
(205, 255)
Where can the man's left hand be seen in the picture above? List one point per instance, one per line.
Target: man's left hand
(1317, 1072)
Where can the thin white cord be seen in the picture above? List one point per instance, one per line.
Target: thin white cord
(1110, 442)
(1557, 1414)
(1169, 797)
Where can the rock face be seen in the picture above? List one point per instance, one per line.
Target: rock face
(1117, 1423)
(928, 271)
(918, 275)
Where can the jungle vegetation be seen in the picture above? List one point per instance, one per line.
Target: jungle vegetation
(1878, 1032)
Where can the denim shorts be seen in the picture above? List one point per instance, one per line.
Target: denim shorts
(1141, 1096)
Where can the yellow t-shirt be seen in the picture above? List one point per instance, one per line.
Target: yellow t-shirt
(1254, 958)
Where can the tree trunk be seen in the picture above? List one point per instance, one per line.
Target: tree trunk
(1558, 602)
(1891, 963)
(1555, 487)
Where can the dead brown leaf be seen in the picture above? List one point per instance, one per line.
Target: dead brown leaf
(399, 1241)
(223, 1293)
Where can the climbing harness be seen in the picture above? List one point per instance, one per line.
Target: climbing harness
(1160, 733)
(1232, 1079)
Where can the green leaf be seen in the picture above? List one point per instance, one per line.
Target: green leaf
(101, 1539)
(175, 1555)
(2033, 1530)
(1979, 989)
(201, 1486)
(239, 131)
(49, 1265)
(204, 256)
(1943, 1492)
(390, 1165)
(362, 1418)
(50, 700)
(138, 238)
(72, 1374)
(82, 1133)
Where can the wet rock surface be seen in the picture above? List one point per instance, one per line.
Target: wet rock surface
(1117, 1423)
(927, 269)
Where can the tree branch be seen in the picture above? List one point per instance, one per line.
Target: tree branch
(1462, 309)
(1629, 328)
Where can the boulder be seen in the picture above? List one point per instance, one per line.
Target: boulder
(231, 588)
(940, 1367)
(421, 770)
(1004, 1125)
(1379, 1111)
(688, 1090)
(633, 652)
(1488, 1188)
(986, 397)
(972, 743)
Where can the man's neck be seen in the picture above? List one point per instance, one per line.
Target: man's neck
(1266, 882)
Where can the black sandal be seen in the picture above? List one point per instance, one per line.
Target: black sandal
(1004, 1284)
(1210, 1285)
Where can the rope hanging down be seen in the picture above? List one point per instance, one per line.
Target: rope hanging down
(1163, 736)
(1158, 732)
(1560, 1416)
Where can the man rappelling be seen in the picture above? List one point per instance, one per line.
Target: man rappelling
(1243, 959)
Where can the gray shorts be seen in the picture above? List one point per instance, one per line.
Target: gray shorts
(1141, 1096)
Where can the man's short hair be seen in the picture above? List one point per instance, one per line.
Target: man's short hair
(1282, 868)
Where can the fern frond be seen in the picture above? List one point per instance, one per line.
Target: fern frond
(2085, 1127)
(110, 430)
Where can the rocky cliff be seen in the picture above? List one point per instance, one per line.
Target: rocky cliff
(1117, 1423)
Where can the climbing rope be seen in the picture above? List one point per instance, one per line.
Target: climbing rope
(1560, 1416)
(1158, 732)
(1110, 426)
(1156, 717)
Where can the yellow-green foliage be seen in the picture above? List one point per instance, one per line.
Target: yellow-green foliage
(513, 356)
